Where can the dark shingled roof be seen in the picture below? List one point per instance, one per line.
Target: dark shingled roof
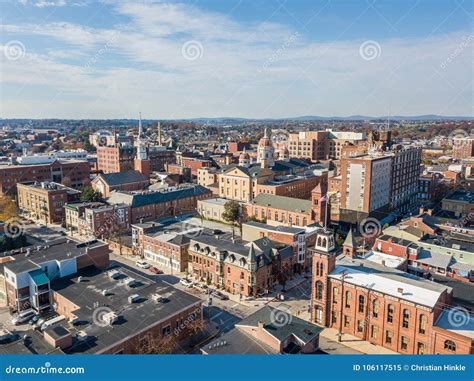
(120, 178)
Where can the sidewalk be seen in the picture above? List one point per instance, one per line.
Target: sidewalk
(356, 343)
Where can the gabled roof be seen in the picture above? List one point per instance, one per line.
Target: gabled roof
(283, 202)
(120, 178)
(350, 242)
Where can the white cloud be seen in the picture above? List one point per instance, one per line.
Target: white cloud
(246, 69)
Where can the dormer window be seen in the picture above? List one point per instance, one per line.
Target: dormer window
(243, 262)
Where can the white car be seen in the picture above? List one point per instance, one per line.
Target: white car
(186, 283)
(142, 264)
(23, 317)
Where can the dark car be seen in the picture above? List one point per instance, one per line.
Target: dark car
(155, 270)
(219, 295)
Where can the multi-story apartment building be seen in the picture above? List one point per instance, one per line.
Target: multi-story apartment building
(74, 173)
(115, 159)
(45, 201)
(321, 145)
(406, 168)
(366, 182)
(463, 148)
(97, 219)
(427, 188)
(153, 204)
(159, 157)
(207, 176)
(244, 268)
(383, 306)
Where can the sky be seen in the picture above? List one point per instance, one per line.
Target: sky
(236, 58)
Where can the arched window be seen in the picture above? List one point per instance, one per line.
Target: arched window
(319, 290)
(324, 242)
(390, 311)
(422, 327)
(361, 303)
(406, 318)
(321, 268)
(317, 269)
(450, 345)
(319, 241)
(375, 308)
(348, 299)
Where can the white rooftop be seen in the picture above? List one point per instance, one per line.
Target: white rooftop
(412, 293)
(384, 259)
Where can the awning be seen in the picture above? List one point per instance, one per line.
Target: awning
(39, 277)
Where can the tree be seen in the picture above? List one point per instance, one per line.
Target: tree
(7, 208)
(231, 211)
(89, 194)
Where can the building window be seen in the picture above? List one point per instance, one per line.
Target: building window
(361, 303)
(319, 314)
(334, 317)
(373, 332)
(420, 349)
(347, 321)
(404, 344)
(390, 311)
(348, 299)
(388, 337)
(166, 330)
(360, 326)
(450, 345)
(319, 290)
(335, 294)
(406, 318)
(422, 327)
(375, 308)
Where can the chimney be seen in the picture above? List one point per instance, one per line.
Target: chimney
(400, 290)
(260, 324)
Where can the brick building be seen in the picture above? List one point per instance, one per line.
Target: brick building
(244, 268)
(383, 306)
(120, 181)
(45, 201)
(73, 173)
(115, 159)
(153, 204)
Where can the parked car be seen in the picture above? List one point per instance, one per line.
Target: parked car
(201, 287)
(23, 317)
(142, 264)
(34, 319)
(219, 295)
(186, 283)
(155, 270)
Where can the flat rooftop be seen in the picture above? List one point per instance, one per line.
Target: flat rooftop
(32, 256)
(98, 292)
(457, 320)
(461, 195)
(389, 281)
(384, 259)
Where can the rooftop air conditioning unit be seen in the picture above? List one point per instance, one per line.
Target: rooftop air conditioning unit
(130, 282)
(110, 317)
(114, 274)
(133, 298)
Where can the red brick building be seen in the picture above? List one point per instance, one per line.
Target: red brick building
(73, 173)
(115, 159)
(245, 269)
(383, 306)
(195, 164)
(120, 181)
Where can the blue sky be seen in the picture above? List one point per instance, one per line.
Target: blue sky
(111, 59)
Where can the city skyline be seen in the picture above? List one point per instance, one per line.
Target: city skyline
(177, 60)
